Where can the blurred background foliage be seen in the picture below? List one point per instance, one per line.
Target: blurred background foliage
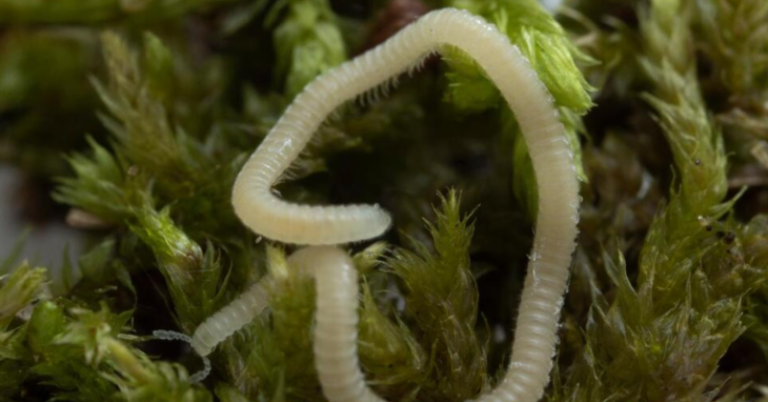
(129, 120)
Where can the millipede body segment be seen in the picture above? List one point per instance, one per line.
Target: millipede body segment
(337, 288)
(218, 327)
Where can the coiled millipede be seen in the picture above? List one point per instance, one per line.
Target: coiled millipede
(335, 334)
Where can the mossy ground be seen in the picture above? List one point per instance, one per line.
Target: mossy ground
(138, 114)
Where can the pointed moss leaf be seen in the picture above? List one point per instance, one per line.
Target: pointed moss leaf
(140, 379)
(193, 276)
(370, 257)
(91, 331)
(756, 241)
(12, 346)
(241, 16)
(542, 41)
(20, 288)
(69, 349)
(442, 298)
(94, 263)
(12, 355)
(696, 145)
(47, 322)
(146, 135)
(469, 89)
(70, 378)
(389, 352)
(158, 68)
(754, 237)
(307, 43)
(99, 185)
(277, 263)
(664, 336)
(170, 244)
(734, 37)
(654, 339)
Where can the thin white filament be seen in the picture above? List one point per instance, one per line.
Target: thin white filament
(166, 335)
(554, 242)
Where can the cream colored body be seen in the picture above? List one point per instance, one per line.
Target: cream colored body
(337, 287)
(218, 327)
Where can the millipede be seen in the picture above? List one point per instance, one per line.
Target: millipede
(325, 227)
(218, 327)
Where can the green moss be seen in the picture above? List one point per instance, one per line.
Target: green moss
(441, 298)
(668, 331)
(667, 299)
(20, 289)
(307, 42)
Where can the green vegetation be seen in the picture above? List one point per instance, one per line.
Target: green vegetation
(138, 115)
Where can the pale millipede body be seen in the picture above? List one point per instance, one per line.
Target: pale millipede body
(218, 327)
(335, 333)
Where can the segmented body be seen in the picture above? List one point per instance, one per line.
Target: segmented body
(218, 327)
(335, 332)
(337, 288)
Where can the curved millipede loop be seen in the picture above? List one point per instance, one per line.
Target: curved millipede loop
(335, 333)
